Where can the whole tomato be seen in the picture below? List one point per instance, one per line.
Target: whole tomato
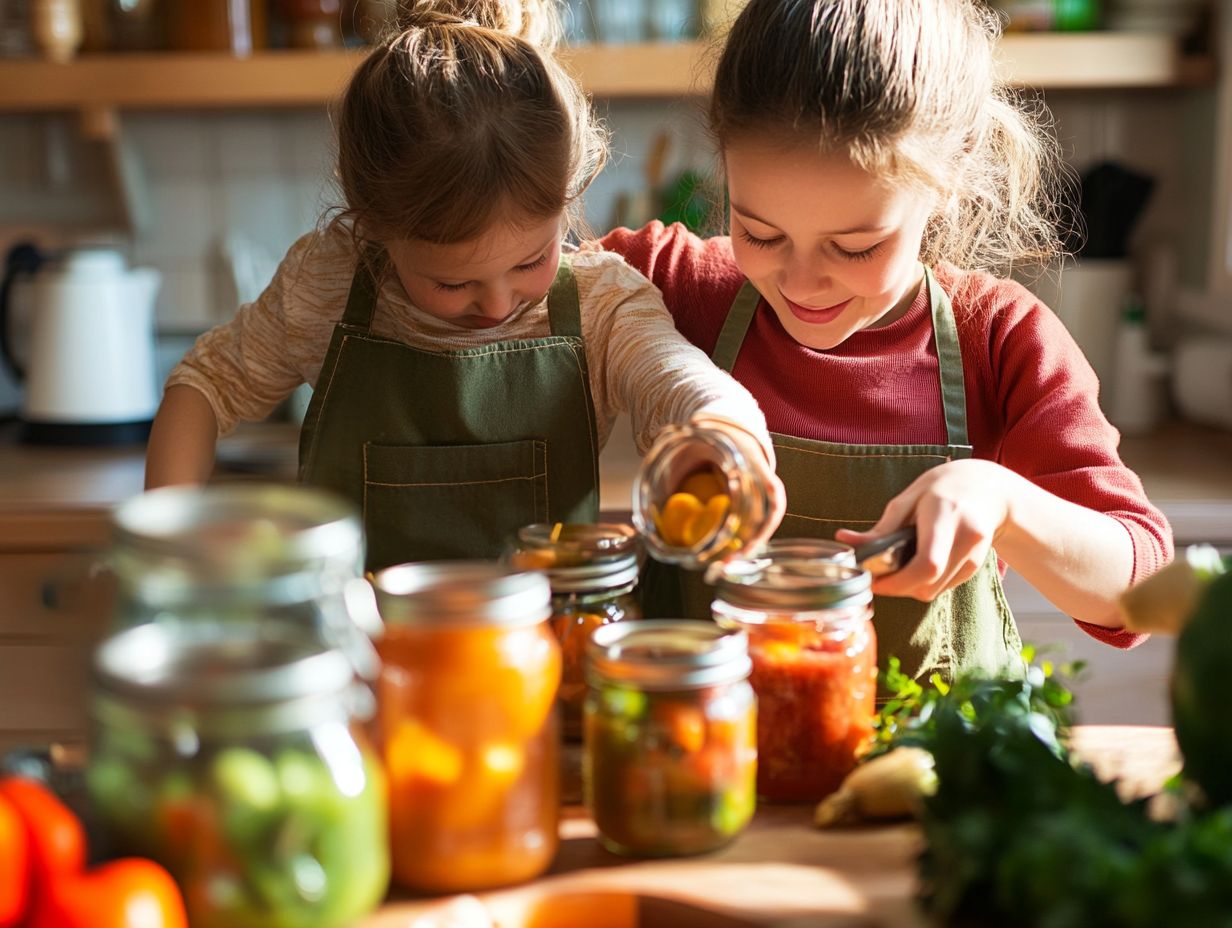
(56, 840)
(129, 893)
(14, 866)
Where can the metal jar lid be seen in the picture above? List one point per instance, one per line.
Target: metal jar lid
(779, 583)
(581, 557)
(241, 677)
(666, 654)
(461, 593)
(232, 534)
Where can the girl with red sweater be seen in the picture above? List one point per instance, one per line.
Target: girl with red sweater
(875, 168)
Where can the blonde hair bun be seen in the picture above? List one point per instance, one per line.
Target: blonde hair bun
(535, 21)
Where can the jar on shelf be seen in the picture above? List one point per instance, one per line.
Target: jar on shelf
(467, 724)
(696, 499)
(245, 553)
(235, 756)
(57, 28)
(312, 23)
(593, 572)
(814, 654)
(235, 26)
(670, 756)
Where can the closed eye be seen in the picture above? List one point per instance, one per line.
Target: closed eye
(452, 288)
(864, 255)
(534, 265)
(760, 242)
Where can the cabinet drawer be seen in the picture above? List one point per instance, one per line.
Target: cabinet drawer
(53, 598)
(44, 688)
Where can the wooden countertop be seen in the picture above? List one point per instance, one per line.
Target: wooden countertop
(781, 872)
(55, 498)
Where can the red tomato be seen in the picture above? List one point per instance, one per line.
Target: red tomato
(129, 893)
(14, 866)
(56, 839)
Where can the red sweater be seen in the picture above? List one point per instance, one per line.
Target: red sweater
(1031, 394)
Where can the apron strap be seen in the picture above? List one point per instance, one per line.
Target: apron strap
(361, 301)
(564, 307)
(735, 327)
(949, 362)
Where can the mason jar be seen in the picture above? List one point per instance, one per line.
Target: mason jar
(245, 553)
(234, 755)
(467, 724)
(592, 570)
(670, 756)
(696, 499)
(814, 654)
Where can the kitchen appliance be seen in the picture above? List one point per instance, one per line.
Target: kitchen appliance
(91, 345)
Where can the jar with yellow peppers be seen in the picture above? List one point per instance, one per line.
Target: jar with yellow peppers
(467, 724)
(696, 498)
(593, 572)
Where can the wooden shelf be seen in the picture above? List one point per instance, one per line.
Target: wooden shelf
(295, 78)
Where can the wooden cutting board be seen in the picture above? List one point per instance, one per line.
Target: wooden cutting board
(781, 872)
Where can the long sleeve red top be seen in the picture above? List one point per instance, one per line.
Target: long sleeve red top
(1031, 394)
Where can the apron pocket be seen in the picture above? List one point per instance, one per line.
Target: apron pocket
(433, 502)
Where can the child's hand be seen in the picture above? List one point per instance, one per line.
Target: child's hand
(958, 508)
(759, 454)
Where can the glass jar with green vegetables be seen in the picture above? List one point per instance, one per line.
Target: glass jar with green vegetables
(670, 759)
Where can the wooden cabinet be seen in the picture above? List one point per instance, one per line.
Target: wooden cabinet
(54, 607)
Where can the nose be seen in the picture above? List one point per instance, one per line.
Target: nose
(496, 302)
(804, 277)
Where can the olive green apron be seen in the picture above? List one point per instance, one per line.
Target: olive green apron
(832, 486)
(450, 452)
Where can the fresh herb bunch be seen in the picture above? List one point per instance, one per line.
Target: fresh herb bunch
(1020, 835)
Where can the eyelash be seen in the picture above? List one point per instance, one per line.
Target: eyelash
(865, 255)
(527, 268)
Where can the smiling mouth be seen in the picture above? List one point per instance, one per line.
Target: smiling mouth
(813, 315)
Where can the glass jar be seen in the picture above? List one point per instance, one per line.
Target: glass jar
(814, 655)
(245, 553)
(467, 724)
(234, 756)
(593, 571)
(235, 26)
(670, 756)
(696, 499)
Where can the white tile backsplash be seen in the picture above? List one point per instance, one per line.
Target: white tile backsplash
(185, 300)
(261, 208)
(247, 143)
(174, 146)
(184, 217)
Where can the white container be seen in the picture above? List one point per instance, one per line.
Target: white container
(1202, 380)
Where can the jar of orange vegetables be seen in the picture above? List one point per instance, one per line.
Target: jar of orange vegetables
(467, 724)
(696, 498)
(593, 572)
(814, 655)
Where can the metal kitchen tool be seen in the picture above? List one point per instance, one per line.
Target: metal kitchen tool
(888, 553)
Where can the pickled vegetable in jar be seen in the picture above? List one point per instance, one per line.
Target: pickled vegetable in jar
(235, 757)
(696, 499)
(814, 654)
(593, 572)
(467, 723)
(245, 553)
(670, 757)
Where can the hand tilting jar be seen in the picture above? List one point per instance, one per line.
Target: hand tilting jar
(467, 721)
(670, 751)
(233, 754)
(593, 572)
(814, 655)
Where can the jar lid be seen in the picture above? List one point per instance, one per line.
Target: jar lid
(664, 654)
(234, 532)
(579, 557)
(208, 666)
(786, 582)
(461, 593)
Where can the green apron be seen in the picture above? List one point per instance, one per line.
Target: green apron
(450, 452)
(832, 486)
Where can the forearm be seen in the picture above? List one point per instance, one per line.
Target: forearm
(182, 440)
(1080, 559)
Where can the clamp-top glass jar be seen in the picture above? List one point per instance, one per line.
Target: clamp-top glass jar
(467, 721)
(696, 499)
(234, 755)
(245, 553)
(814, 655)
(670, 757)
(593, 572)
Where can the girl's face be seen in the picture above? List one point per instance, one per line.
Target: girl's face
(480, 283)
(832, 248)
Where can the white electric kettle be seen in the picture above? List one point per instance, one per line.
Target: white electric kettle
(89, 379)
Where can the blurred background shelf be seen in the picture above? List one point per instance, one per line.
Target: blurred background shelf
(156, 80)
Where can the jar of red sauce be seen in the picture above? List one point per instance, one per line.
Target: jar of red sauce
(814, 654)
(467, 724)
